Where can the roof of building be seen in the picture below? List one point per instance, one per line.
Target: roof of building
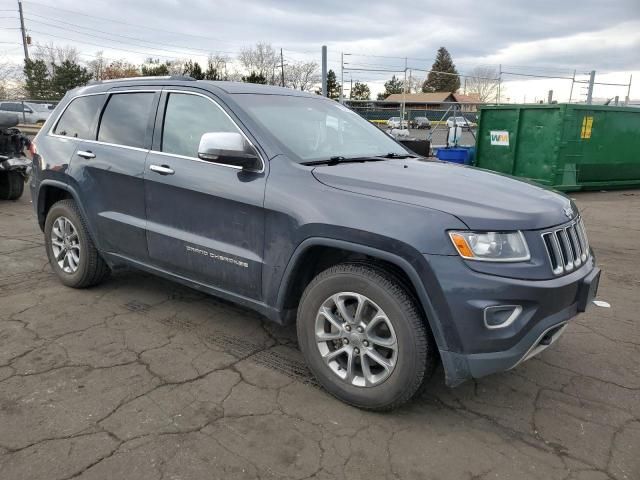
(466, 98)
(419, 97)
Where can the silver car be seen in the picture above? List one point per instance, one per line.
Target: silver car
(29, 113)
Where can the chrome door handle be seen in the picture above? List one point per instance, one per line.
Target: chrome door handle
(84, 154)
(162, 169)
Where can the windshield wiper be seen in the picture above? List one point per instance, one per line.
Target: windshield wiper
(340, 159)
(397, 155)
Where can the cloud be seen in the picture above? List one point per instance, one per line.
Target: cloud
(540, 34)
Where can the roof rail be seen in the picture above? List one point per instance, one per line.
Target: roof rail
(149, 77)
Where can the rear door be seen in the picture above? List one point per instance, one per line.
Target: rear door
(205, 221)
(110, 172)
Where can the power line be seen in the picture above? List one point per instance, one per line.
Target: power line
(110, 33)
(103, 19)
(147, 54)
(101, 37)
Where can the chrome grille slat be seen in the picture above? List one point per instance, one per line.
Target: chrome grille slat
(567, 246)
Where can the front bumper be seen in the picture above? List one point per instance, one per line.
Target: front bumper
(547, 306)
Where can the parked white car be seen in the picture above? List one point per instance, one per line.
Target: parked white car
(460, 122)
(30, 113)
(394, 122)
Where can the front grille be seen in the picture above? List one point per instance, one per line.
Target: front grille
(567, 246)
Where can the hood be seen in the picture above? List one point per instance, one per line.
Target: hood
(483, 200)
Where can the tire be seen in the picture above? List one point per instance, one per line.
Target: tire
(413, 360)
(90, 268)
(11, 185)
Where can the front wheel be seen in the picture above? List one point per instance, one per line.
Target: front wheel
(364, 338)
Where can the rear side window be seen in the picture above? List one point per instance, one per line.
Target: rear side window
(187, 117)
(125, 119)
(77, 119)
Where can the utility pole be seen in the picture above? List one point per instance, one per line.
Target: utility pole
(350, 87)
(573, 80)
(281, 68)
(341, 77)
(324, 71)
(592, 79)
(404, 94)
(626, 100)
(499, 83)
(24, 33)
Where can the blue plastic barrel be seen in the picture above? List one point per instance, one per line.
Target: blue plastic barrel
(455, 155)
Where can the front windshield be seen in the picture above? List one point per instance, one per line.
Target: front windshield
(318, 129)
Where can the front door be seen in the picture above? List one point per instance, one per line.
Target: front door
(205, 221)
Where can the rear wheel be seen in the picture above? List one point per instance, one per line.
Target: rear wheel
(72, 255)
(11, 185)
(364, 338)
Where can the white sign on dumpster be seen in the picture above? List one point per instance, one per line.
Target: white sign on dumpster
(499, 137)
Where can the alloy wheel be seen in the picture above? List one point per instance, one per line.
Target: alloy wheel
(356, 339)
(65, 244)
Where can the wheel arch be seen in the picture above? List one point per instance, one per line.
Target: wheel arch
(52, 191)
(297, 275)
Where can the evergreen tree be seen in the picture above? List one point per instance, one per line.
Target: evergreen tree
(66, 76)
(153, 68)
(212, 72)
(194, 70)
(360, 91)
(37, 81)
(333, 87)
(395, 85)
(439, 82)
(255, 78)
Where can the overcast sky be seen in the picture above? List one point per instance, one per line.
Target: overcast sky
(535, 37)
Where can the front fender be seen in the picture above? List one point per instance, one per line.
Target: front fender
(415, 267)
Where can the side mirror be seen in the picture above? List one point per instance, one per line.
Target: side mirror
(28, 110)
(229, 148)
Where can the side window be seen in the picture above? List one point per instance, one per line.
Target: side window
(186, 119)
(125, 119)
(77, 119)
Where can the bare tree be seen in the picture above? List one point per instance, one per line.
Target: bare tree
(414, 83)
(301, 76)
(219, 63)
(483, 83)
(262, 60)
(53, 54)
(97, 66)
(11, 80)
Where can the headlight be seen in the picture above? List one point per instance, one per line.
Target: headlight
(491, 246)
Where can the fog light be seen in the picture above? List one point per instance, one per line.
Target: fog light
(501, 316)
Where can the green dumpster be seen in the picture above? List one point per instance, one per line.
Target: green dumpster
(564, 146)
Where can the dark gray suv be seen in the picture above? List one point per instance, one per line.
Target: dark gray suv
(293, 205)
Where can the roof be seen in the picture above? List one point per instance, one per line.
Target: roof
(462, 98)
(419, 97)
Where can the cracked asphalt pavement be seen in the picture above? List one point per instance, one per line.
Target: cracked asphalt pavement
(140, 378)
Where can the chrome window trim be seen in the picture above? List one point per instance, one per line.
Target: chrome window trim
(97, 142)
(109, 92)
(187, 92)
